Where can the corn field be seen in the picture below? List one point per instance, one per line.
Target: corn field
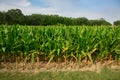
(59, 43)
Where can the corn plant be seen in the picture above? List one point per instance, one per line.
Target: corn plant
(54, 43)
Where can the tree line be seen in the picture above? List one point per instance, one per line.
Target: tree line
(15, 16)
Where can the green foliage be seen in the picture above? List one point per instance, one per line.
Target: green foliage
(117, 23)
(59, 42)
(15, 16)
(98, 22)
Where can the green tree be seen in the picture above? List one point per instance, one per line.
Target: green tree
(99, 22)
(81, 21)
(14, 16)
(1, 17)
(117, 22)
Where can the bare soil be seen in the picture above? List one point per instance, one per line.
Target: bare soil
(58, 66)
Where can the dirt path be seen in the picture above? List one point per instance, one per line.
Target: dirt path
(58, 66)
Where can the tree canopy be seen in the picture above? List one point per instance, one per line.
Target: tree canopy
(15, 16)
(117, 22)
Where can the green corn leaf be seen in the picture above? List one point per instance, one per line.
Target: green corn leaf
(32, 57)
(4, 49)
(51, 58)
(90, 57)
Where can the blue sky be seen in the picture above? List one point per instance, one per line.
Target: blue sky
(91, 9)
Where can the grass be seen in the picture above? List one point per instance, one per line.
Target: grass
(105, 74)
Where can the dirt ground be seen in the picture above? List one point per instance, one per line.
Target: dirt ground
(58, 66)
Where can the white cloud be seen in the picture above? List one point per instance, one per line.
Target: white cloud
(6, 5)
(38, 10)
(18, 3)
(82, 9)
(26, 7)
(22, 3)
(68, 8)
